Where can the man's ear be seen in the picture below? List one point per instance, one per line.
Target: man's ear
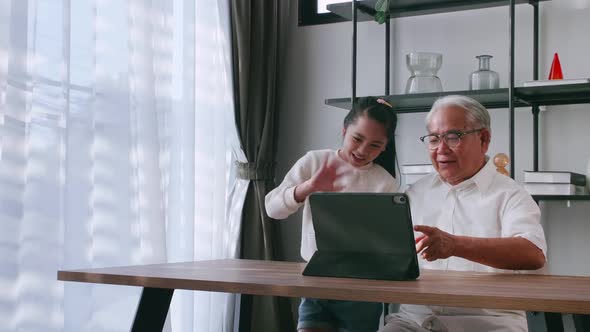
(485, 137)
(343, 131)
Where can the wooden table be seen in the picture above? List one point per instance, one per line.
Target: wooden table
(449, 288)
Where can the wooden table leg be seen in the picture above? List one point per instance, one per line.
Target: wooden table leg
(582, 322)
(553, 322)
(152, 309)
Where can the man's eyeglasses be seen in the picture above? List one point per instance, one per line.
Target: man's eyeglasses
(452, 138)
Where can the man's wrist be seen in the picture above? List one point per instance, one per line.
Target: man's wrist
(461, 244)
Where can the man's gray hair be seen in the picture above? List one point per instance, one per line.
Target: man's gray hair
(476, 115)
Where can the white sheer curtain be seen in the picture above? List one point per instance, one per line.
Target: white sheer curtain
(116, 128)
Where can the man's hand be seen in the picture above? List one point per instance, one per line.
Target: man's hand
(434, 244)
(509, 253)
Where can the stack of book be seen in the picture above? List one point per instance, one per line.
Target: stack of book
(554, 183)
(412, 173)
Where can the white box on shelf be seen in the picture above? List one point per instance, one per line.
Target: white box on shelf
(411, 178)
(554, 177)
(417, 169)
(554, 189)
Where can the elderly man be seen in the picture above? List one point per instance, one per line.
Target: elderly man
(468, 217)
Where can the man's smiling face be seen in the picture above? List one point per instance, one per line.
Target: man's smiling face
(455, 165)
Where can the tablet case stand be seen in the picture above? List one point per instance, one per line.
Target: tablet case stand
(361, 265)
(363, 235)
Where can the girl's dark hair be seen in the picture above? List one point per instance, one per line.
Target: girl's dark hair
(384, 114)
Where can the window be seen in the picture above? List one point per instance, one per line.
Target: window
(322, 4)
(315, 12)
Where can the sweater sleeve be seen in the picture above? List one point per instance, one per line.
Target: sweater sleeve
(280, 202)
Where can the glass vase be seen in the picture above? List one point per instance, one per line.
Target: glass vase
(423, 67)
(484, 78)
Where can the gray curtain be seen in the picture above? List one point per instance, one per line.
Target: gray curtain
(258, 30)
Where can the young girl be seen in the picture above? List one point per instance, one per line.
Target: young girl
(364, 163)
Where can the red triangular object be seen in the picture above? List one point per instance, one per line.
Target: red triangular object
(555, 72)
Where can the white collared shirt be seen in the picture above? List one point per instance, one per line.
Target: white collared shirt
(488, 205)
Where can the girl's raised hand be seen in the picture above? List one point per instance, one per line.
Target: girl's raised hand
(325, 179)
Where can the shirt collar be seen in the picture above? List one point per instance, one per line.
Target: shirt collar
(483, 179)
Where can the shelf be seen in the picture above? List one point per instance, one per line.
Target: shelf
(561, 197)
(555, 94)
(405, 8)
(421, 102)
(494, 98)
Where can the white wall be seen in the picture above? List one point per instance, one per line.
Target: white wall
(318, 67)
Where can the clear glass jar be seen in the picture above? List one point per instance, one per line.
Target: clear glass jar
(423, 66)
(484, 78)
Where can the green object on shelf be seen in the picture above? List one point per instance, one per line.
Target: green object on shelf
(382, 11)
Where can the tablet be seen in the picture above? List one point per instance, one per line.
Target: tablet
(363, 235)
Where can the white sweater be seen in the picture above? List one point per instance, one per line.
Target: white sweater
(280, 203)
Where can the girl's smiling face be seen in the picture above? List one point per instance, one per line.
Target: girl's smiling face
(364, 140)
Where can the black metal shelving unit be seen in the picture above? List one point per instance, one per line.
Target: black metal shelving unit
(494, 98)
(421, 102)
(510, 98)
(555, 94)
(406, 8)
